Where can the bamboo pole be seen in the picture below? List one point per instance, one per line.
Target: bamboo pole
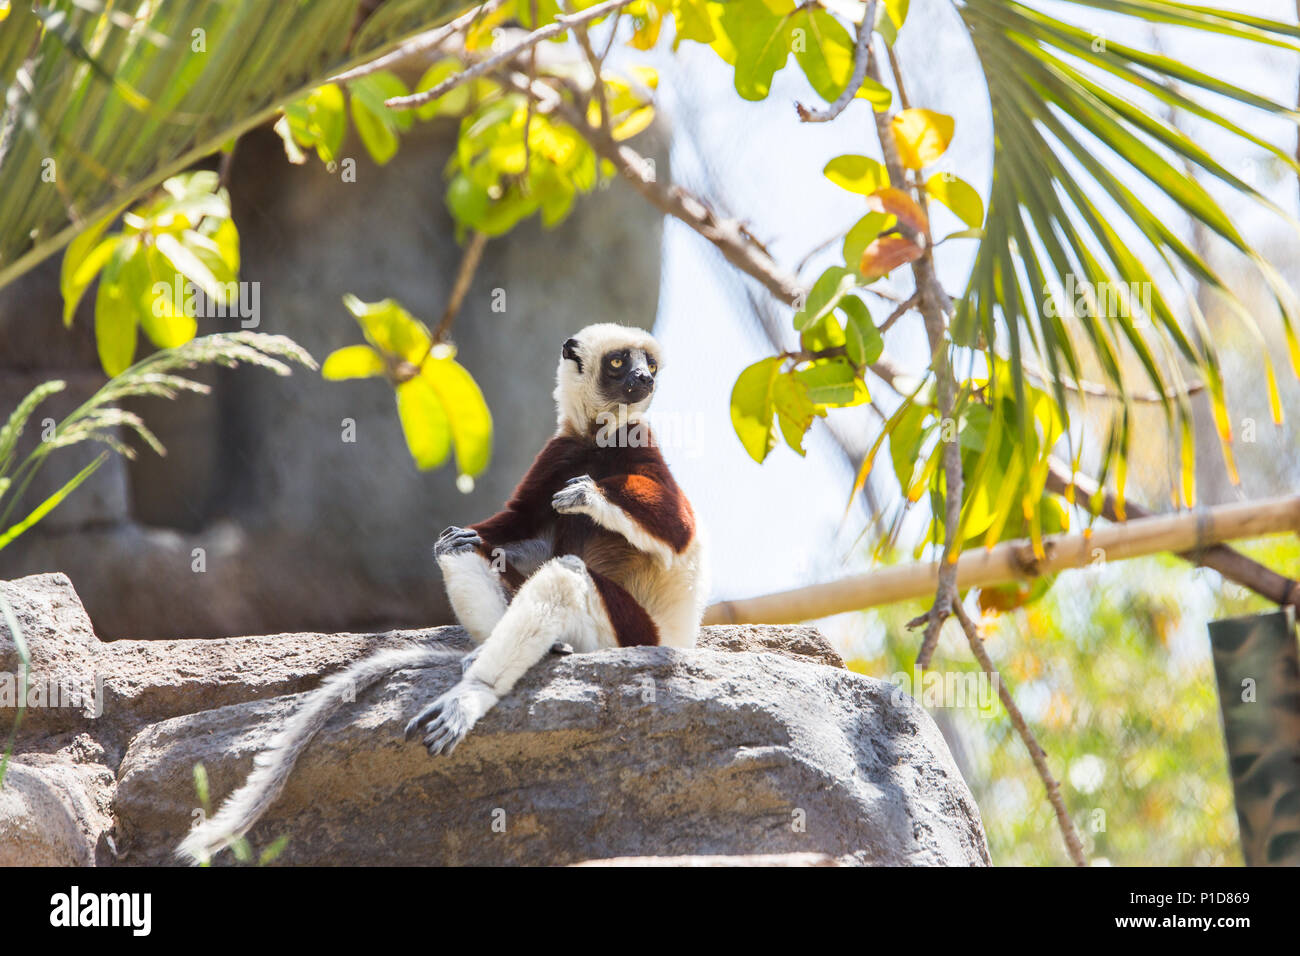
(1183, 532)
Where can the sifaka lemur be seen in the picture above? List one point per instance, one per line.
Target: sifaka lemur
(597, 547)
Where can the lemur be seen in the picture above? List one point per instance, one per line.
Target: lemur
(597, 547)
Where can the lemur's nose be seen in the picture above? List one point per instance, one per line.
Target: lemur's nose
(641, 378)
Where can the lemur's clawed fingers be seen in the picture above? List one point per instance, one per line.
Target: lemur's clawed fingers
(446, 721)
(456, 541)
(577, 494)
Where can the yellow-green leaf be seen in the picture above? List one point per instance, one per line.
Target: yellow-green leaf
(959, 196)
(752, 407)
(922, 136)
(467, 412)
(116, 313)
(857, 174)
(352, 361)
(424, 423)
(390, 328)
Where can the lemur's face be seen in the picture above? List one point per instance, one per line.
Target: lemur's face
(604, 368)
(627, 376)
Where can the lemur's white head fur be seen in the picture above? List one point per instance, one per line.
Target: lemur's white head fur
(601, 368)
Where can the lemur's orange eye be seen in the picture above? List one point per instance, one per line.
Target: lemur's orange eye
(616, 363)
(652, 365)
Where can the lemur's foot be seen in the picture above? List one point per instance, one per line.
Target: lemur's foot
(561, 648)
(576, 496)
(445, 722)
(456, 541)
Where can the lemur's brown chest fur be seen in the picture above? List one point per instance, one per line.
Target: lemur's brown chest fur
(631, 473)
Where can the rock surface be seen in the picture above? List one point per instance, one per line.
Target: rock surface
(758, 742)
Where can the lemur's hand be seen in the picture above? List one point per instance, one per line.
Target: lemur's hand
(456, 541)
(576, 497)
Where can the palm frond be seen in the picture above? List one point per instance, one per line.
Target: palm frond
(1075, 141)
(106, 98)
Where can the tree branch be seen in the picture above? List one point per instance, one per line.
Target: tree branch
(464, 276)
(422, 43)
(1072, 842)
(561, 25)
(861, 54)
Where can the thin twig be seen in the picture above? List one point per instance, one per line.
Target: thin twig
(418, 45)
(560, 25)
(1093, 390)
(1072, 842)
(861, 54)
(597, 84)
(899, 312)
(464, 276)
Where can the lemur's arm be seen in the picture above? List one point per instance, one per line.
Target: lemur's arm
(646, 507)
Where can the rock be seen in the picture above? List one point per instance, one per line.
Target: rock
(54, 812)
(753, 859)
(757, 744)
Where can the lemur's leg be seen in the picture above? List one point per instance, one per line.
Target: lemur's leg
(559, 602)
(476, 591)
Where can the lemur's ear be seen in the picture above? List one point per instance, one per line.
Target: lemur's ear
(570, 351)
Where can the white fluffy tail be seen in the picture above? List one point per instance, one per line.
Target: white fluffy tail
(271, 767)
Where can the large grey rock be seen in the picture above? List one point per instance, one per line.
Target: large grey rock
(636, 751)
(757, 742)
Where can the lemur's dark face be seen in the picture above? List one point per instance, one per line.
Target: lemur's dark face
(627, 375)
(622, 375)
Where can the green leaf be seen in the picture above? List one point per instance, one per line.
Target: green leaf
(274, 850)
(863, 339)
(752, 407)
(82, 261)
(353, 361)
(184, 261)
(857, 174)
(833, 382)
(376, 124)
(959, 196)
(467, 411)
(890, 17)
(824, 51)
(795, 409)
(162, 316)
(762, 42)
(826, 293)
(117, 308)
(424, 423)
(877, 94)
(390, 328)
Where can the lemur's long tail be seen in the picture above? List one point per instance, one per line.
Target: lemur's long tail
(271, 767)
